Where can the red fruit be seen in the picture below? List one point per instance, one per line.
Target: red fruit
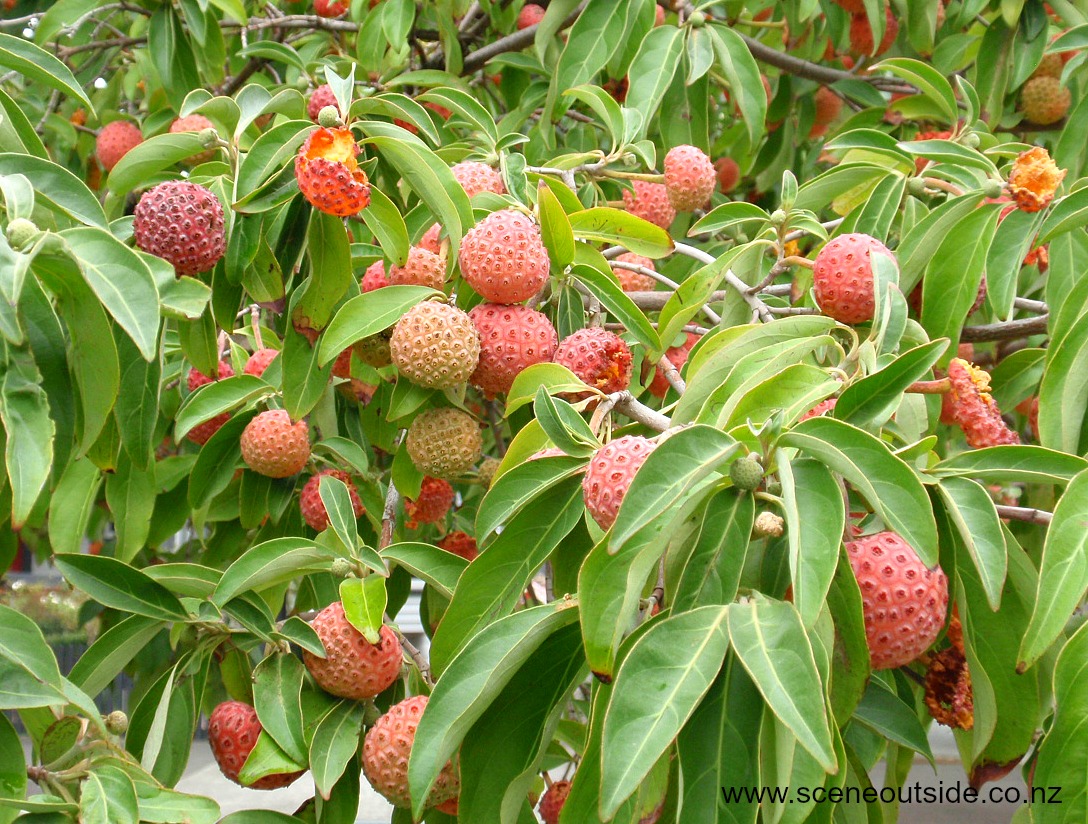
(444, 442)
(273, 446)
(503, 257)
(197, 379)
(422, 268)
(330, 8)
(477, 177)
(861, 34)
(233, 730)
(434, 501)
(609, 476)
(843, 276)
(341, 367)
(1034, 179)
(728, 173)
(321, 97)
(431, 240)
(631, 281)
(259, 361)
(650, 201)
(659, 16)
(313, 508)
(598, 357)
(328, 173)
(530, 15)
(194, 123)
(182, 223)
(828, 107)
(202, 433)
(678, 356)
(822, 408)
(374, 277)
(689, 178)
(903, 601)
(114, 141)
(353, 667)
(387, 748)
(1044, 100)
(435, 345)
(512, 338)
(460, 543)
(970, 405)
(551, 803)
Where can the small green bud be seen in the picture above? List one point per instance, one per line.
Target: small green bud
(21, 234)
(778, 218)
(208, 138)
(971, 140)
(342, 568)
(993, 188)
(916, 186)
(329, 117)
(746, 473)
(117, 723)
(697, 19)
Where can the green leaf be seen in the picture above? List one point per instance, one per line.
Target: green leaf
(23, 645)
(437, 567)
(266, 758)
(602, 224)
(471, 682)
(271, 563)
(1063, 395)
(12, 768)
(465, 106)
(815, 516)
(330, 271)
(159, 806)
(619, 305)
(277, 690)
(172, 54)
(491, 586)
(598, 33)
(745, 83)
(38, 65)
(974, 516)
(564, 426)
(1022, 463)
(605, 107)
(556, 378)
(729, 215)
(770, 641)
(335, 743)
(56, 187)
(130, 494)
(871, 401)
(24, 411)
(922, 241)
(112, 651)
(137, 407)
(366, 315)
(1060, 760)
(928, 80)
(217, 461)
(217, 397)
(659, 684)
(890, 486)
(383, 218)
(555, 228)
(886, 714)
(517, 488)
(117, 585)
(364, 602)
(1063, 572)
(71, 504)
(145, 161)
(652, 71)
(108, 797)
(712, 570)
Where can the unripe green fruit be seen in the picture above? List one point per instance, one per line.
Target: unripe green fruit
(916, 186)
(746, 473)
(341, 568)
(328, 117)
(208, 138)
(778, 217)
(117, 723)
(697, 19)
(21, 234)
(993, 188)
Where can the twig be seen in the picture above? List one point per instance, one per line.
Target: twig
(672, 374)
(1026, 514)
(417, 657)
(495, 419)
(513, 42)
(626, 403)
(392, 498)
(1022, 327)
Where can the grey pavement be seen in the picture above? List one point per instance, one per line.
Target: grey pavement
(203, 777)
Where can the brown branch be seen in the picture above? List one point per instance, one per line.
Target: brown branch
(626, 403)
(512, 42)
(937, 387)
(1026, 514)
(1020, 328)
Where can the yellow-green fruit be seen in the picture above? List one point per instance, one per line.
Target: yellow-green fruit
(444, 442)
(746, 473)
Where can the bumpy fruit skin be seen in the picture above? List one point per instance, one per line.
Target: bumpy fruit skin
(746, 473)
(843, 276)
(768, 525)
(530, 15)
(386, 750)
(903, 601)
(374, 277)
(551, 803)
(114, 141)
(512, 338)
(1034, 179)
(435, 345)
(273, 446)
(330, 8)
(631, 281)
(422, 268)
(373, 350)
(182, 223)
(599, 357)
(678, 356)
(609, 476)
(650, 201)
(970, 405)
(202, 433)
(503, 257)
(233, 730)
(320, 97)
(1050, 66)
(828, 107)
(21, 234)
(197, 379)
(328, 173)
(476, 177)
(444, 442)
(728, 173)
(822, 408)
(194, 123)
(432, 240)
(353, 667)
(434, 501)
(861, 34)
(689, 178)
(259, 361)
(462, 544)
(1044, 100)
(313, 509)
